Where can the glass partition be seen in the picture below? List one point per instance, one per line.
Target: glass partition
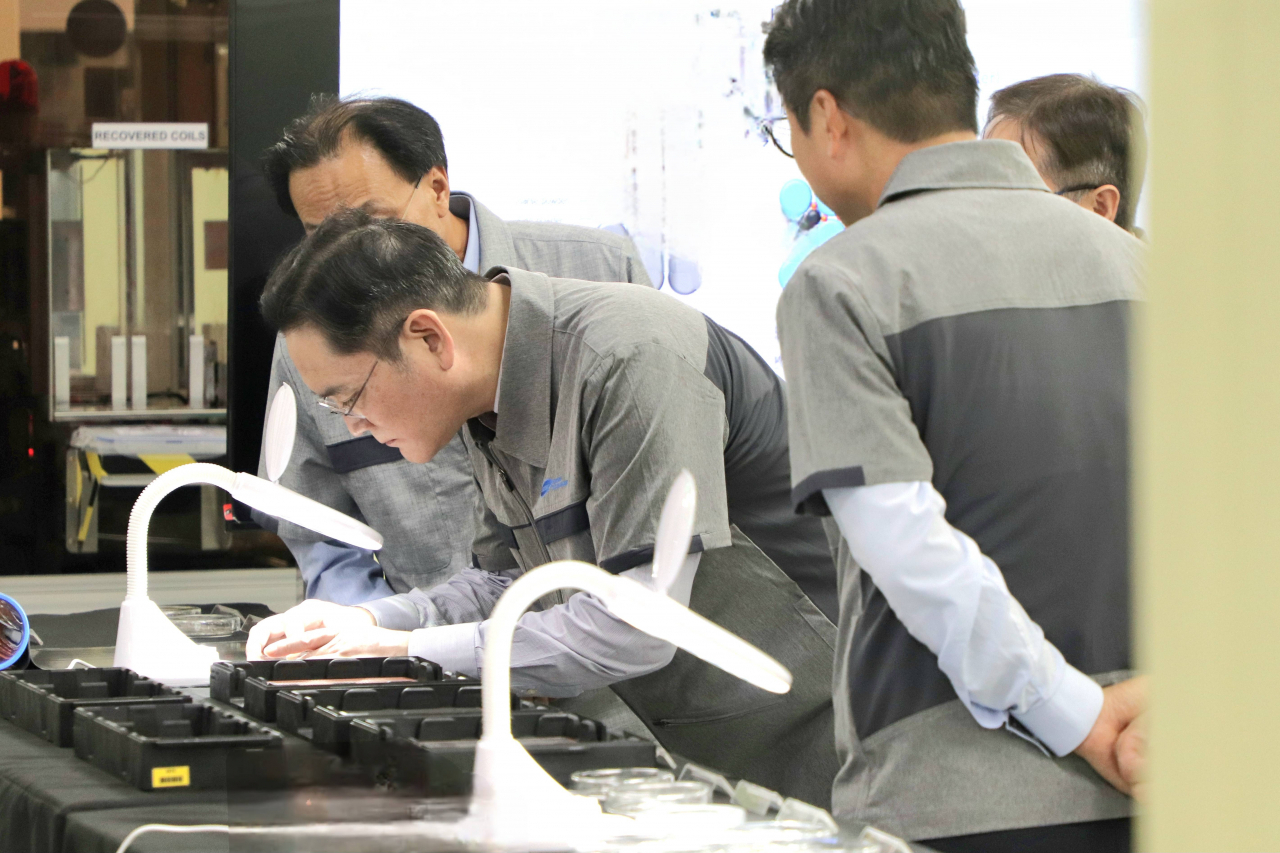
(138, 283)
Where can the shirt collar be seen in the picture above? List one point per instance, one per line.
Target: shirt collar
(524, 376)
(975, 164)
(460, 205)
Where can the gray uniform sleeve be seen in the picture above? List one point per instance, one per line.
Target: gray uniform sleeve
(849, 423)
(468, 596)
(573, 647)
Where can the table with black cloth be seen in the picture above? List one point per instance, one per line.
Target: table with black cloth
(53, 802)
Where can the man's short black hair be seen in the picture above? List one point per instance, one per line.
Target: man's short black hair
(902, 66)
(357, 277)
(406, 136)
(1087, 133)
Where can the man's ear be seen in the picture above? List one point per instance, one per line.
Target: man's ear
(435, 185)
(424, 335)
(1106, 201)
(829, 125)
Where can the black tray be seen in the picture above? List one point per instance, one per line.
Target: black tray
(227, 678)
(293, 707)
(330, 728)
(43, 701)
(179, 747)
(436, 755)
(251, 680)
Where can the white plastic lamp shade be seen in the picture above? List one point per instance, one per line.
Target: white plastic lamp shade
(275, 499)
(281, 427)
(669, 620)
(675, 526)
(277, 439)
(515, 803)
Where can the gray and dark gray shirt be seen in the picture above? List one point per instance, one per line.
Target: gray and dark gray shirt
(425, 512)
(972, 332)
(605, 394)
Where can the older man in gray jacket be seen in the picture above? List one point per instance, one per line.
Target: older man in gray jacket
(386, 157)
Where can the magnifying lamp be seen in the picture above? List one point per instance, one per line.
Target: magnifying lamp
(146, 641)
(514, 801)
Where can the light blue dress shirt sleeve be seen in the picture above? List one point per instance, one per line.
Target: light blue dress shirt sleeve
(338, 572)
(562, 651)
(953, 598)
(341, 573)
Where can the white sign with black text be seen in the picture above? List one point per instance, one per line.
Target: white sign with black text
(149, 134)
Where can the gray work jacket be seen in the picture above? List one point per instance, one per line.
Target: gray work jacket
(426, 512)
(972, 333)
(607, 393)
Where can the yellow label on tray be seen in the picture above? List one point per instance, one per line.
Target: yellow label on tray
(171, 777)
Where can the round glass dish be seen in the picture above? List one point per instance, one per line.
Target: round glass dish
(635, 796)
(667, 819)
(206, 625)
(597, 783)
(172, 610)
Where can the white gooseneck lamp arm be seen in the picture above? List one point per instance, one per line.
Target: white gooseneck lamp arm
(146, 641)
(514, 801)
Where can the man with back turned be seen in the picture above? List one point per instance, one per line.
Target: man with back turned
(958, 399)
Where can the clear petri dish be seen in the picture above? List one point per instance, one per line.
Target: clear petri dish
(596, 783)
(767, 832)
(180, 609)
(631, 797)
(668, 819)
(206, 625)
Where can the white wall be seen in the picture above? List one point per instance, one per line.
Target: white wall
(601, 113)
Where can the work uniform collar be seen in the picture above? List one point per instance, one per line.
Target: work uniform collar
(497, 249)
(524, 380)
(975, 164)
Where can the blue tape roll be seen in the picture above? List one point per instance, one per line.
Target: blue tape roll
(9, 610)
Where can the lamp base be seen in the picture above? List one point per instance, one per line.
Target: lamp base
(515, 803)
(149, 644)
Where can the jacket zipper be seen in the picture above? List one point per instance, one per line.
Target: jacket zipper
(511, 487)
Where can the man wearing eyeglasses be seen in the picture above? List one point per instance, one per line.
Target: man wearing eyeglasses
(386, 157)
(579, 404)
(958, 401)
(1085, 138)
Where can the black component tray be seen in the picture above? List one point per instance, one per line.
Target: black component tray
(184, 747)
(43, 701)
(436, 755)
(226, 678)
(331, 727)
(255, 680)
(293, 708)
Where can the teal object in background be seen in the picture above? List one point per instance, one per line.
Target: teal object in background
(815, 224)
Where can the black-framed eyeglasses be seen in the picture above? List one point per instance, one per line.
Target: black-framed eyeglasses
(1078, 188)
(405, 209)
(778, 130)
(345, 409)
